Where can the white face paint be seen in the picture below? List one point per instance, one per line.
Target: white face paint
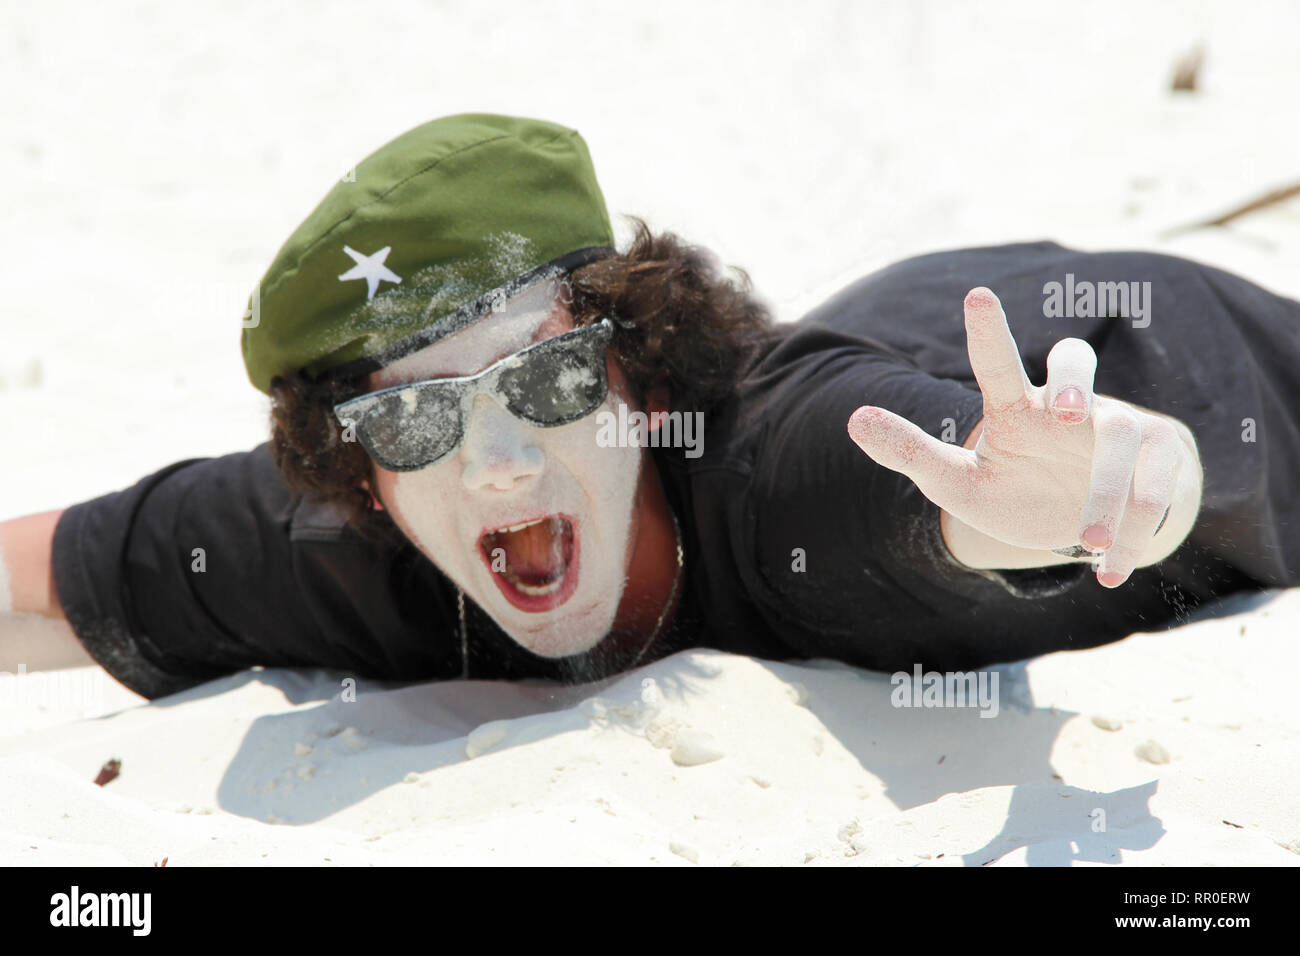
(507, 473)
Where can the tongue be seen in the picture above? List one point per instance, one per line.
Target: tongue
(538, 553)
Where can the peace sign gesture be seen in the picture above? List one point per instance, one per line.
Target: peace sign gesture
(1054, 466)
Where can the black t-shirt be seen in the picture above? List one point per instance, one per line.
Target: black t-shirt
(796, 544)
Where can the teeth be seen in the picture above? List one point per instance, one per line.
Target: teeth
(520, 527)
(538, 591)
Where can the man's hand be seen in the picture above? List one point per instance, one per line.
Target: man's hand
(1053, 466)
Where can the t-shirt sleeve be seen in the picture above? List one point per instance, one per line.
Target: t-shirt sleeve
(834, 532)
(185, 576)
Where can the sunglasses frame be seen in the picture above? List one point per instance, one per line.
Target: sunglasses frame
(354, 411)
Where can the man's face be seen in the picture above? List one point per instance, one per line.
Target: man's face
(535, 525)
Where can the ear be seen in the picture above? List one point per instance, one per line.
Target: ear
(374, 499)
(656, 400)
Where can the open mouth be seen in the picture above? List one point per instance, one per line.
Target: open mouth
(534, 563)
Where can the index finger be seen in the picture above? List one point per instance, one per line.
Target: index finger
(945, 473)
(994, 357)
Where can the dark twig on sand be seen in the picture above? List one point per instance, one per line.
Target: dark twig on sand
(1187, 71)
(1268, 199)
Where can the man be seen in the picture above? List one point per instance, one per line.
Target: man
(486, 461)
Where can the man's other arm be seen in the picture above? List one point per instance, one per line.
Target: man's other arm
(33, 630)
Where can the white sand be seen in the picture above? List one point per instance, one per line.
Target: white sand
(161, 156)
(722, 759)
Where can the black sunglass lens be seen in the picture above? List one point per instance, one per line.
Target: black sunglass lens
(557, 383)
(412, 428)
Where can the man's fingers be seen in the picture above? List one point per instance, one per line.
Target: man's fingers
(945, 473)
(1154, 478)
(994, 357)
(1071, 366)
(1118, 439)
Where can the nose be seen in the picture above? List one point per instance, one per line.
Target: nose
(498, 450)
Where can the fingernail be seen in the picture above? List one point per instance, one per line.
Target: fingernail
(1095, 537)
(1069, 405)
(1111, 579)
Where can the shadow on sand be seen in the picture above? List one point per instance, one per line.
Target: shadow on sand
(920, 754)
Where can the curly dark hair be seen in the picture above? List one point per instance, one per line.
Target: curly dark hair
(691, 327)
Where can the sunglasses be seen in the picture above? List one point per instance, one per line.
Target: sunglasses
(551, 383)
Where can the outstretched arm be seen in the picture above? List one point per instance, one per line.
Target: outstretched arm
(1048, 467)
(33, 630)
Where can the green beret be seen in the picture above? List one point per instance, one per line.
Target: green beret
(426, 235)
